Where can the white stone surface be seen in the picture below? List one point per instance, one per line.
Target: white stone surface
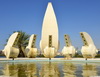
(31, 50)
(55, 59)
(11, 50)
(68, 51)
(49, 27)
(88, 50)
(49, 52)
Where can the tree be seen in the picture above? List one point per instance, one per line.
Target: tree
(22, 43)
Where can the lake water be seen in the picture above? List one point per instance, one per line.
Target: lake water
(49, 69)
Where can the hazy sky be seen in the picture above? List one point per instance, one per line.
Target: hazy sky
(73, 16)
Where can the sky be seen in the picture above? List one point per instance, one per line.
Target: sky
(73, 16)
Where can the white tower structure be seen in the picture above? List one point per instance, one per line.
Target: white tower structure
(49, 27)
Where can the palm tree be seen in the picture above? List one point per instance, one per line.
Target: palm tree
(22, 43)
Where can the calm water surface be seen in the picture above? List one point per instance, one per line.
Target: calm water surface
(49, 69)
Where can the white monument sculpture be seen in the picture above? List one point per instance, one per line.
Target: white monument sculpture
(11, 49)
(49, 50)
(68, 51)
(88, 50)
(50, 27)
(31, 50)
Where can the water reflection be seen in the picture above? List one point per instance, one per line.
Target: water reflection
(69, 70)
(49, 69)
(20, 70)
(89, 70)
(10, 70)
(31, 70)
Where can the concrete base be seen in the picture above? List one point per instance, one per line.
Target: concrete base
(47, 59)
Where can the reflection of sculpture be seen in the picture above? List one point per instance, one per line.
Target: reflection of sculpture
(88, 50)
(89, 70)
(69, 70)
(27, 70)
(49, 70)
(31, 49)
(11, 49)
(31, 70)
(20, 70)
(68, 50)
(50, 27)
(10, 70)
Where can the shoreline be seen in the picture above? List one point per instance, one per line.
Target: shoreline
(47, 59)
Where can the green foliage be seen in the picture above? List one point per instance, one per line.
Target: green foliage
(78, 55)
(41, 55)
(1, 53)
(22, 43)
(97, 56)
(23, 40)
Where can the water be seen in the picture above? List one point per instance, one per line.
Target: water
(49, 69)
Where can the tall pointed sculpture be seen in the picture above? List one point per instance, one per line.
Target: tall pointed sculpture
(68, 51)
(88, 50)
(11, 49)
(31, 49)
(50, 27)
